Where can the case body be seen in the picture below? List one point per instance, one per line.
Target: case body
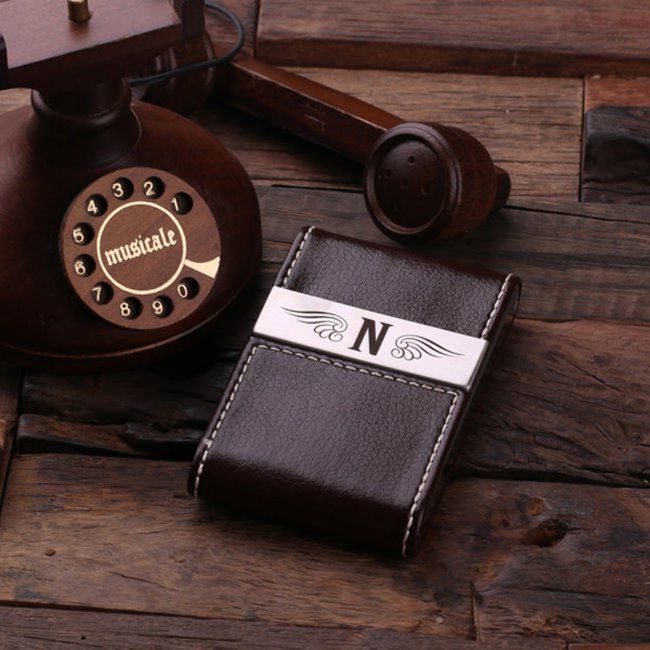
(337, 443)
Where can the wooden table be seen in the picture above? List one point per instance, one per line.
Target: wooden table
(542, 537)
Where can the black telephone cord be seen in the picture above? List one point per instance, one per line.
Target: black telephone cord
(201, 65)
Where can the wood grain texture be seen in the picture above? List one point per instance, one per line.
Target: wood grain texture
(56, 629)
(564, 401)
(616, 91)
(120, 534)
(10, 385)
(544, 38)
(39, 434)
(609, 646)
(455, 104)
(616, 137)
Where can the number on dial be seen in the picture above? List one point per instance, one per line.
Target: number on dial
(96, 205)
(84, 265)
(82, 234)
(153, 187)
(182, 203)
(130, 308)
(122, 189)
(187, 288)
(162, 306)
(102, 293)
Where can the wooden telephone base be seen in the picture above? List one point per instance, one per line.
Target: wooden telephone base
(163, 191)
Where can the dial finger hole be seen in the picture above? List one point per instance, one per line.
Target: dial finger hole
(182, 203)
(122, 189)
(96, 205)
(84, 265)
(162, 306)
(153, 187)
(82, 234)
(187, 288)
(130, 308)
(102, 293)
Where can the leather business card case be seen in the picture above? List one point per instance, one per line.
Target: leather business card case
(345, 409)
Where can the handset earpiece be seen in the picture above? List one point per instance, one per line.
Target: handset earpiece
(426, 181)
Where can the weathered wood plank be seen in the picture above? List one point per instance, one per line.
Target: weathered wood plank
(568, 613)
(616, 91)
(10, 385)
(42, 434)
(50, 629)
(544, 113)
(507, 37)
(616, 135)
(564, 401)
(120, 534)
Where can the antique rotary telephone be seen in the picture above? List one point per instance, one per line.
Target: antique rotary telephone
(125, 229)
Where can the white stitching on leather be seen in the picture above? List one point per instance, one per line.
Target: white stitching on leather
(497, 304)
(425, 476)
(210, 440)
(344, 366)
(363, 371)
(297, 255)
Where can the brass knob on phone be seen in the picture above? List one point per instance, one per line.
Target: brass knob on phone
(79, 11)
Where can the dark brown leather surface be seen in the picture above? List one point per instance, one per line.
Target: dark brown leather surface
(310, 439)
(393, 282)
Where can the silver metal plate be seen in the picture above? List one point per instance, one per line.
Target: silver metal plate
(370, 338)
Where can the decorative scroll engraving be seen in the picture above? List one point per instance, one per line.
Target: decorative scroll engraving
(412, 346)
(326, 325)
(367, 337)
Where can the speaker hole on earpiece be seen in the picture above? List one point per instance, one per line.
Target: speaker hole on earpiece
(411, 160)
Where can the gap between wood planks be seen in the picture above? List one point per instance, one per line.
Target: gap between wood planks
(53, 626)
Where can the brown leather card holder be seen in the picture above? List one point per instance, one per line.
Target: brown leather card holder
(345, 409)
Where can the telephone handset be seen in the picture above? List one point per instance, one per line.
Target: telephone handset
(421, 181)
(125, 229)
